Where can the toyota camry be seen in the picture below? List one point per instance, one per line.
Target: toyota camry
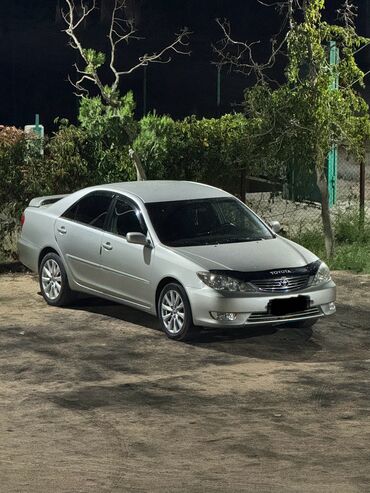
(191, 254)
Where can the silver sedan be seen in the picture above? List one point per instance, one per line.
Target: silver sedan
(191, 254)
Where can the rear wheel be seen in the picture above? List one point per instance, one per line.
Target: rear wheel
(175, 313)
(53, 281)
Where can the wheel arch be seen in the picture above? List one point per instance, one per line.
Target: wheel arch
(44, 252)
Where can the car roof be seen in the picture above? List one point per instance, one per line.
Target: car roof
(165, 190)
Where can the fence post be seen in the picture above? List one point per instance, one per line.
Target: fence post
(362, 194)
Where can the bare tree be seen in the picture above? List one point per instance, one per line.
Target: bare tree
(132, 10)
(240, 56)
(347, 13)
(121, 30)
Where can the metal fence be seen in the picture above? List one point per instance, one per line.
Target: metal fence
(352, 196)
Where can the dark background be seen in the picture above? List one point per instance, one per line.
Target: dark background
(35, 58)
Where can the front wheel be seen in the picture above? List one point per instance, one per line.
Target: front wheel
(175, 313)
(53, 281)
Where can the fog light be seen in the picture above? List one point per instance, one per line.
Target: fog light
(229, 316)
(332, 306)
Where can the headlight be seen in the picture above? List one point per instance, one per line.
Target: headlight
(322, 274)
(220, 282)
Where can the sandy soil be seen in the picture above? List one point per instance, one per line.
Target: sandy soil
(95, 399)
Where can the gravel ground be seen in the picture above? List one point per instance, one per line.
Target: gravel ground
(95, 399)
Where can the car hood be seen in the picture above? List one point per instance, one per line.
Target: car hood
(271, 254)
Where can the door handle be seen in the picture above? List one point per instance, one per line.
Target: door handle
(107, 246)
(62, 230)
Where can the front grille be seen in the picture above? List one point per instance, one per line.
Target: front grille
(259, 317)
(282, 284)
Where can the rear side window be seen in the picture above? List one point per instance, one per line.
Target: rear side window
(91, 210)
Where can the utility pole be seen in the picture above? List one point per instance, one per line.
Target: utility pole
(145, 89)
(218, 86)
(367, 27)
(13, 71)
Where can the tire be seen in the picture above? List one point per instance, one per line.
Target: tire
(53, 281)
(174, 312)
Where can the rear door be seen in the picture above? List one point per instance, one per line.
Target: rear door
(79, 233)
(126, 267)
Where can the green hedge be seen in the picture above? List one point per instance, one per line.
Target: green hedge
(206, 150)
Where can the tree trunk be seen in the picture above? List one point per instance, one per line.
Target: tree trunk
(325, 211)
(140, 172)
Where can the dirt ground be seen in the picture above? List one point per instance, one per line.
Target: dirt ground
(95, 399)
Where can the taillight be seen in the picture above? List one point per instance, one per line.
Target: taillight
(23, 217)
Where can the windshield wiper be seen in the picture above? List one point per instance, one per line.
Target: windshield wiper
(197, 241)
(239, 240)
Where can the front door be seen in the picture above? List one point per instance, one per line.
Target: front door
(126, 266)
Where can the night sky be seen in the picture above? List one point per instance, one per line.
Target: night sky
(35, 59)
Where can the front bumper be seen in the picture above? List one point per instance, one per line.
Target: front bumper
(251, 310)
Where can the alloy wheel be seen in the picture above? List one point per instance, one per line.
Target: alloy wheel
(51, 279)
(173, 312)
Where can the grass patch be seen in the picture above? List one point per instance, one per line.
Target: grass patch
(355, 257)
(352, 250)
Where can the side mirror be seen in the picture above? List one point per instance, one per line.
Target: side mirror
(138, 239)
(275, 226)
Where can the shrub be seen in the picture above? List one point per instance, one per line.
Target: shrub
(9, 229)
(12, 161)
(352, 243)
(159, 145)
(348, 229)
(108, 132)
(208, 150)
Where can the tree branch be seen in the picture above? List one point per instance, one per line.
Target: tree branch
(239, 55)
(120, 30)
(72, 25)
(347, 13)
(179, 46)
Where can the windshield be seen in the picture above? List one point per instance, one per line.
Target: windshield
(205, 222)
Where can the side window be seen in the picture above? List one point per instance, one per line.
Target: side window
(92, 210)
(126, 219)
